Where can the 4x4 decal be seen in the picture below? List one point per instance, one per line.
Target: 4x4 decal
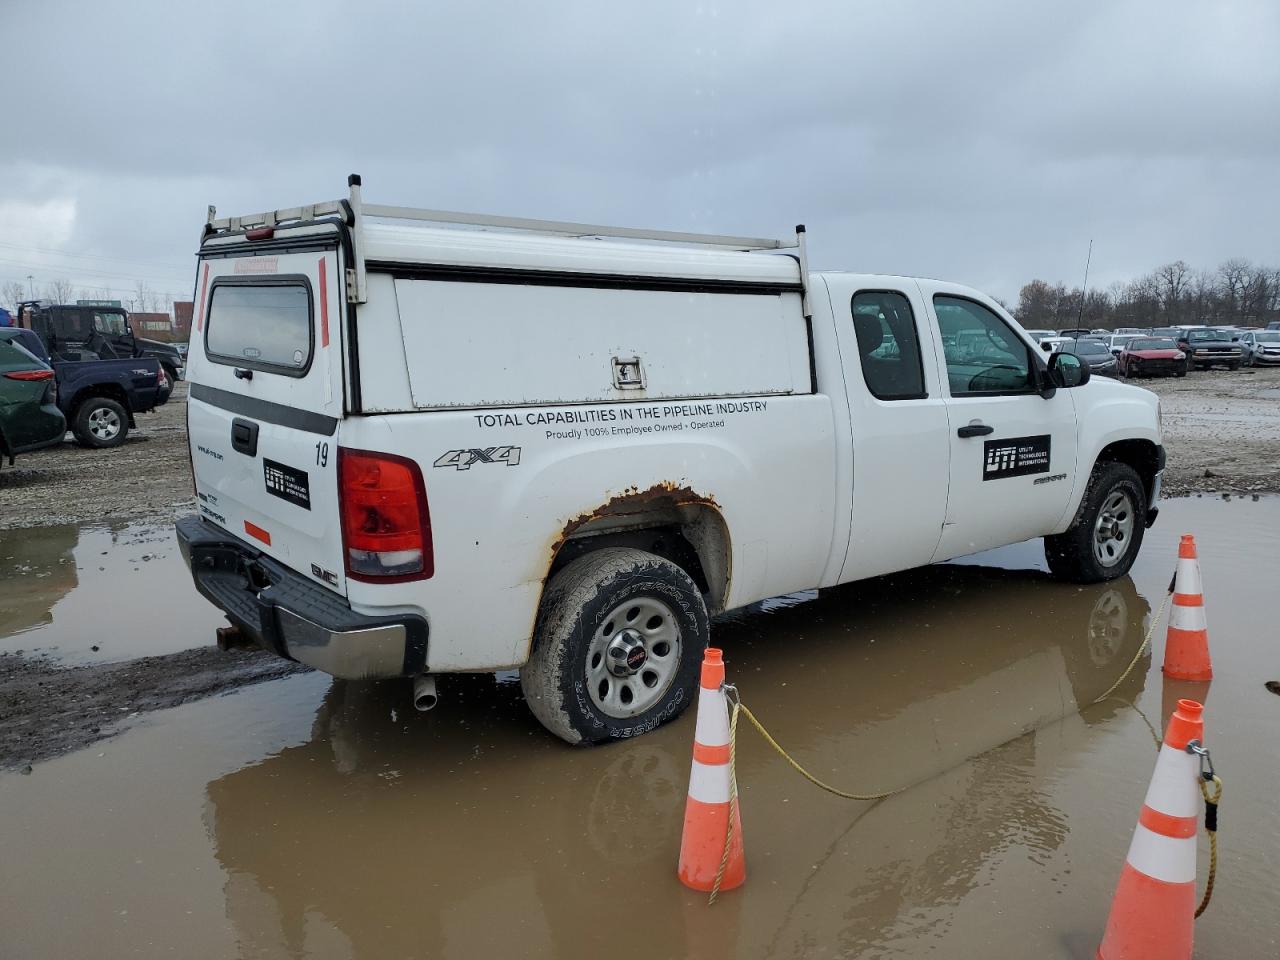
(463, 459)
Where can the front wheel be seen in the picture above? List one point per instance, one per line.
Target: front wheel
(100, 422)
(616, 650)
(1106, 534)
(1234, 366)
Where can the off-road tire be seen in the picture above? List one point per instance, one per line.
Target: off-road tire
(576, 600)
(81, 422)
(1181, 371)
(1071, 554)
(1234, 366)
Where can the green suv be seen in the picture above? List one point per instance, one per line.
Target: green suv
(29, 415)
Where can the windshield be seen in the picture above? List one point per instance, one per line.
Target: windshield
(111, 324)
(1087, 347)
(1207, 335)
(1153, 345)
(1269, 337)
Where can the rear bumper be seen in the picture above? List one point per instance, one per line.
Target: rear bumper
(289, 615)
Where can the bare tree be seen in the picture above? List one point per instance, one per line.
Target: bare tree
(59, 291)
(14, 292)
(144, 296)
(1173, 279)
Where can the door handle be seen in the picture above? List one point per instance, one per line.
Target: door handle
(243, 374)
(244, 437)
(975, 429)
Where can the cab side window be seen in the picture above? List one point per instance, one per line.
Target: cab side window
(984, 356)
(888, 345)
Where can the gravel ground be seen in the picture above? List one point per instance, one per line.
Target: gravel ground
(147, 477)
(1222, 432)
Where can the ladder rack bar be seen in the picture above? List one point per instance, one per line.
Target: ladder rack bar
(570, 229)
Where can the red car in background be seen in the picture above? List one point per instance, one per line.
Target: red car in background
(1152, 356)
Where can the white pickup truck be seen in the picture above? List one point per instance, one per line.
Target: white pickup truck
(488, 443)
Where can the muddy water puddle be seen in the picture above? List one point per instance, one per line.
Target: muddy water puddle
(82, 594)
(308, 817)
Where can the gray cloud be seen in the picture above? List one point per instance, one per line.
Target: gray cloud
(984, 142)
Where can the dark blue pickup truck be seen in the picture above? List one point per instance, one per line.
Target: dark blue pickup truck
(100, 397)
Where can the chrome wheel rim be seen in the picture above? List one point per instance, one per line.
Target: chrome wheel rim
(1113, 530)
(633, 657)
(104, 424)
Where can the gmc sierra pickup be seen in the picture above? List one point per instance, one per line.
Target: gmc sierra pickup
(427, 442)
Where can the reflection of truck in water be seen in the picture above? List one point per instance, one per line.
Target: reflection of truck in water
(556, 834)
(423, 450)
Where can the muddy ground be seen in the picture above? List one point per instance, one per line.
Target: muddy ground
(1222, 432)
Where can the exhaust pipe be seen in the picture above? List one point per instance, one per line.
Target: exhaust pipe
(424, 692)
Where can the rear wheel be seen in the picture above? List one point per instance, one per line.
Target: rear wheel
(616, 650)
(1106, 534)
(100, 422)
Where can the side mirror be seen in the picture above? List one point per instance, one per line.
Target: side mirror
(1047, 347)
(1068, 370)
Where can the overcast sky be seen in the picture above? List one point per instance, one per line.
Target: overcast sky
(984, 141)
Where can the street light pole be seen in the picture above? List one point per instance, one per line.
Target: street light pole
(31, 285)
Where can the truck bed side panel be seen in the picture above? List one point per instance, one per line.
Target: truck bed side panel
(507, 485)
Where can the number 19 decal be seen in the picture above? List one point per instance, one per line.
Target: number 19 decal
(322, 454)
(463, 459)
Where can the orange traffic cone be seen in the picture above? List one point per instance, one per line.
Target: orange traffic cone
(1154, 907)
(1186, 648)
(706, 813)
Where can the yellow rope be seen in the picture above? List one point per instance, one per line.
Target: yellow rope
(1211, 803)
(733, 783)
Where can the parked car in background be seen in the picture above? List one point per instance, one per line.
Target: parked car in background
(1095, 353)
(1054, 344)
(1152, 356)
(1117, 341)
(1274, 325)
(99, 398)
(96, 333)
(1133, 331)
(29, 414)
(1261, 346)
(1039, 335)
(1206, 347)
(1076, 332)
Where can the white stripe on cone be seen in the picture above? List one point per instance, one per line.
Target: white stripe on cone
(1187, 578)
(709, 783)
(1171, 859)
(1187, 618)
(1173, 788)
(712, 727)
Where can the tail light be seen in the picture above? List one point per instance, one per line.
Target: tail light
(386, 528)
(30, 375)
